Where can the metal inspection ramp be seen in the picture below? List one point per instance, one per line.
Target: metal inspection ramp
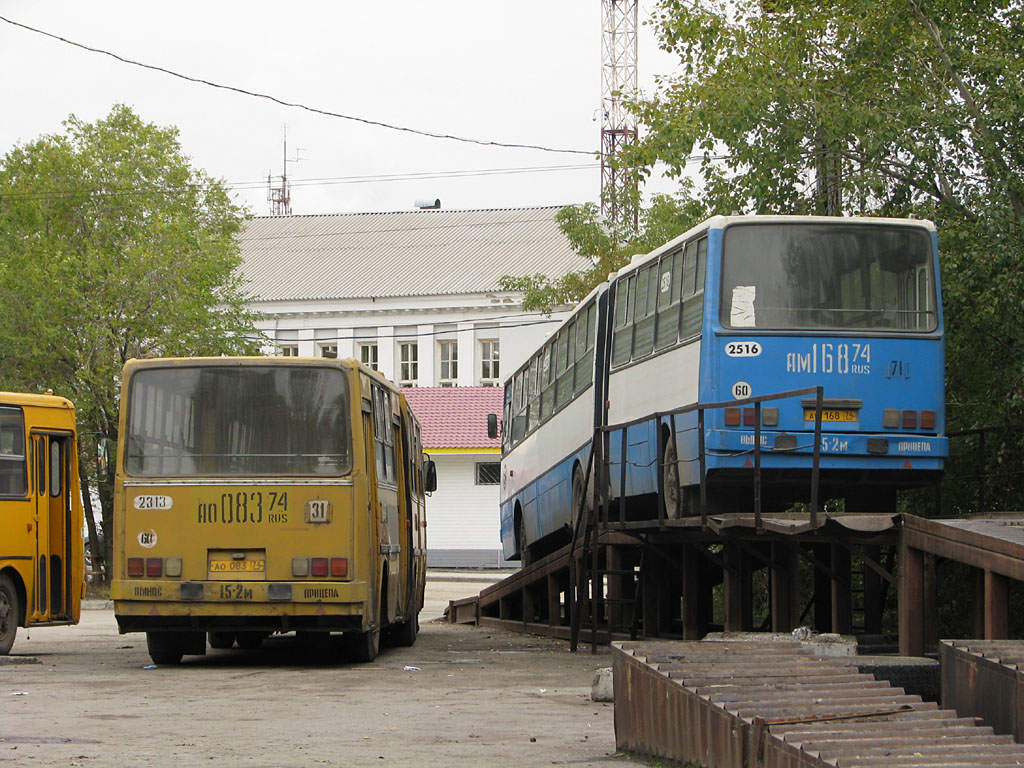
(983, 678)
(777, 705)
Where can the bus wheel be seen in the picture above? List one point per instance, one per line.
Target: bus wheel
(164, 647)
(670, 479)
(404, 633)
(250, 641)
(9, 612)
(577, 496)
(221, 640)
(364, 646)
(524, 549)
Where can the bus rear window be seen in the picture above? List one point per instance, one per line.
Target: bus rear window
(13, 480)
(856, 276)
(224, 420)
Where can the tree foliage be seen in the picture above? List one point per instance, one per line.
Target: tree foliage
(876, 107)
(871, 107)
(112, 246)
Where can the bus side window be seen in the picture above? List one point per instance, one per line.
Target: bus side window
(669, 285)
(622, 342)
(13, 476)
(693, 289)
(547, 389)
(646, 298)
(56, 468)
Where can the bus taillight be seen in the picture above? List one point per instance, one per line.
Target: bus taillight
(318, 566)
(136, 566)
(339, 566)
(154, 567)
(927, 419)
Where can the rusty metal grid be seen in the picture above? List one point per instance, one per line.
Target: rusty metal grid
(776, 705)
(984, 679)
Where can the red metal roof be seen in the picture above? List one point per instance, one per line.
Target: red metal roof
(455, 417)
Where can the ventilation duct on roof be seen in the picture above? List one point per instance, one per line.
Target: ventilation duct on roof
(429, 204)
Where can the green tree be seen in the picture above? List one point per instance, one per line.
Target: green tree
(605, 250)
(875, 107)
(112, 246)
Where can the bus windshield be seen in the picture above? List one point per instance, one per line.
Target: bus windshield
(220, 420)
(855, 276)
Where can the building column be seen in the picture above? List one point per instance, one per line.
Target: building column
(307, 344)
(426, 346)
(386, 346)
(467, 354)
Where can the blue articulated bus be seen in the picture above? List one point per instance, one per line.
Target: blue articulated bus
(738, 307)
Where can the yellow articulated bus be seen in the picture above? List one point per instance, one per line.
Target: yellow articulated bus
(42, 559)
(261, 495)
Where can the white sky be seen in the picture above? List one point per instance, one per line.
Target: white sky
(527, 72)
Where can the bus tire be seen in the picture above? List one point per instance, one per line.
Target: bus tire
(164, 647)
(670, 479)
(221, 640)
(525, 556)
(250, 641)
(9, 614)
(364, 646)
(404, 632)
(578, 495)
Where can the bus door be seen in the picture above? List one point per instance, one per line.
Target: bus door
(407, 515)
(51, 460)
(387, 494)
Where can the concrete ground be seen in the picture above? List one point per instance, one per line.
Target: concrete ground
(87, 696)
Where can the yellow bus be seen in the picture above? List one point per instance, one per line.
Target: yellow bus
(42, 558)
(267, 495)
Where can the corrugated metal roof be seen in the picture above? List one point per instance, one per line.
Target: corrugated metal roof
(455, 417)
(408, 253)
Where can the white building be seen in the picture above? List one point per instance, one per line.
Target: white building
(415, 295)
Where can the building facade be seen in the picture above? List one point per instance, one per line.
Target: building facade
(415, 295)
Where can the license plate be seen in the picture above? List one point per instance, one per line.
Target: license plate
(831, 414)
(236, 566)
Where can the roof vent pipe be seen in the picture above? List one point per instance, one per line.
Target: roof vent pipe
(426, 205)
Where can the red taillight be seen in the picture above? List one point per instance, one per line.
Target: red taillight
(748, 417)
(318, 566)
(909, 419)
(339, 566)
(732, 417)
(154, 566)
(136, 566)
(927, 419)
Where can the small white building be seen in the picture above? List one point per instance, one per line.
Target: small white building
(462, 514)
(415, 295)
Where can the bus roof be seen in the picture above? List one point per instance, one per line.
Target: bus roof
(720, 222)
(36, 400)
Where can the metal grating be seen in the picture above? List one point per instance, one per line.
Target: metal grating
(777, 705)
(983, 678)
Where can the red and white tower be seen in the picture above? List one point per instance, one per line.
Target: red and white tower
(618, 127)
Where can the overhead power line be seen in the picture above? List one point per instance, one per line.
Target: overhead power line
(296, 105)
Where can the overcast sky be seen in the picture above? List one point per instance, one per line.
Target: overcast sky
(523, 73)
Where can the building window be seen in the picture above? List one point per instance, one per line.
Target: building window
(329, 350)
(488, 472)
(409, 363)
(288, 350)
(449, 364)
(368, 354)
(490, 372)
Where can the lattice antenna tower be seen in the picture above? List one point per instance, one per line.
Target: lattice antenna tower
(280, 198)
(618, 129)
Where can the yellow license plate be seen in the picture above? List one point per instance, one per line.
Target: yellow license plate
(237, 566)
(831, 414)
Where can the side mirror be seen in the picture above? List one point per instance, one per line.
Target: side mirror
(103, 457)
(492, 425)
(429, 476)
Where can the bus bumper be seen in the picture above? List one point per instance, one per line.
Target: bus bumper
(266, 605)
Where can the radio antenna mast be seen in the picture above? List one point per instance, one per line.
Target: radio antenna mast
(280, 198)
(618, 128)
